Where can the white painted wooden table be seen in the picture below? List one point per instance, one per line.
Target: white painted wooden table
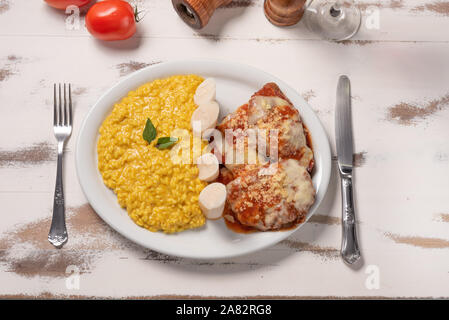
(400, 77)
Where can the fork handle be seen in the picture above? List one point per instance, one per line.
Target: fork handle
(58, 232)
(350, 251)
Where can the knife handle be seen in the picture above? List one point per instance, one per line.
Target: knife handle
(349, 246)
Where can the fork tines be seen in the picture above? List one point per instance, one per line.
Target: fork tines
(62, 116)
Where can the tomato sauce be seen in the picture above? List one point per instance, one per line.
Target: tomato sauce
(240, 228)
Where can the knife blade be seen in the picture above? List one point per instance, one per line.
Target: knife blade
(350, 251)
(343, 124)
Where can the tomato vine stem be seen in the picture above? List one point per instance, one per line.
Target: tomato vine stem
(136, 14)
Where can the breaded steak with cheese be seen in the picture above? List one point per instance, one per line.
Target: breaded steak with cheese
(262, 194)
(271, 201)
(268, 109)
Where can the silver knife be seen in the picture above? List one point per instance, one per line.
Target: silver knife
(343, 131)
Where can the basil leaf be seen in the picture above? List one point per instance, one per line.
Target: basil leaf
(165, 142)
(164, 145)
(149, 133)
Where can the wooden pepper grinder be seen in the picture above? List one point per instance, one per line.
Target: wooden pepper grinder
(284, 12)
(196, 13)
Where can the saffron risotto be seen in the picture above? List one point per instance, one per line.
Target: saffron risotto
(159, 195)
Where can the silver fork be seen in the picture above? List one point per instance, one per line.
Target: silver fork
(62, 126)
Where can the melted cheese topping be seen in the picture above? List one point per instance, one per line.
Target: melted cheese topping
(260, 105)
(299, 189)
(293, 133)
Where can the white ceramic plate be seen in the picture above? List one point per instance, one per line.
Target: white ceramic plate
(235, 84)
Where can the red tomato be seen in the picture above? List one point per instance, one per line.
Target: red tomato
(111, 20)
(63, 4)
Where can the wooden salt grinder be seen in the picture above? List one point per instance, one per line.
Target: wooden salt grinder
(196, 13)
(284, 12)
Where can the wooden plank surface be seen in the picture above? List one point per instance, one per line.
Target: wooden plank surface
(400, 109)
